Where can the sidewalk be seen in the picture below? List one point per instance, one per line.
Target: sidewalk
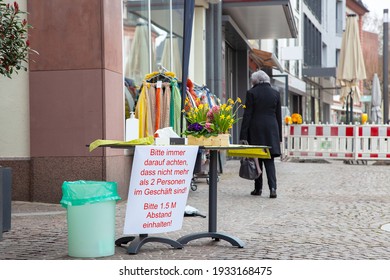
(329, 211)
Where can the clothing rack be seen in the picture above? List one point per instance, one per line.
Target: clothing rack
(159, 102)
(161, 68)
(160, 76)
(205, 93)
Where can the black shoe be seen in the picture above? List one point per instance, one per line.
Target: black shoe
(272, 193)
(256, 192)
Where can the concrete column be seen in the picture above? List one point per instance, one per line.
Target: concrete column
(76, 94)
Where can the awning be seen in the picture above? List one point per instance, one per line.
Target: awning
(262, 19)
(265, 59)
(234, 35)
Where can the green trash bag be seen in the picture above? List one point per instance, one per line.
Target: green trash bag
(81, 192)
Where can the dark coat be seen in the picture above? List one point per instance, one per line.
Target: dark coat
(262, 120)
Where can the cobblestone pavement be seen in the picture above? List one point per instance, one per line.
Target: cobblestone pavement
(327, 211)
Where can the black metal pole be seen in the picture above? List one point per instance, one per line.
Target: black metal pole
(347, 110)
(210, 48)
(213, 181)
(351, 107)
(385, 66)
(218, 90)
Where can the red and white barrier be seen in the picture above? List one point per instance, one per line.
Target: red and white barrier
(373, 142)
(353, 142)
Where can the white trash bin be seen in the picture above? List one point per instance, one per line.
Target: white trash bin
(90, 217)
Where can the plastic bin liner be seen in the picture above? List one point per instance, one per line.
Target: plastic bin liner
(81, 192)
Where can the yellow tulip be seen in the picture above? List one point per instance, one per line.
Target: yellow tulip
(364, 118)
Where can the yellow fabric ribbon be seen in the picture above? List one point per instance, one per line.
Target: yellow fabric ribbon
(250, 152)
(141, 141)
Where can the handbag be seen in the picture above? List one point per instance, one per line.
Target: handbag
(249, 168)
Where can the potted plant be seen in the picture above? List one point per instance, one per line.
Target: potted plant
(14, 50)
(210, 126)
(14, 43)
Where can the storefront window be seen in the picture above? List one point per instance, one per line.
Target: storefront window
(307, 106)
(149, 28)
(313, 102)
(136, 41)
(317, 109)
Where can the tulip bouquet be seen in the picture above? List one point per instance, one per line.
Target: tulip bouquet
(207, 122)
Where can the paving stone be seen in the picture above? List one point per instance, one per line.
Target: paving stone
(324, 210)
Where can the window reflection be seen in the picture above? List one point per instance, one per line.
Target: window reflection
(146, 47)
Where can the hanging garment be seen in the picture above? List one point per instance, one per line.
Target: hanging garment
(175, 113)
(206, 97)
(143, 113)
(140, 112)
(166, 106)
(157, 79)
(158, 108)
(152, 103)
(150, 111)
(159, 112)
(195, 101)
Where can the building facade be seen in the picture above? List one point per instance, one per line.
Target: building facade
(74, 90)
(71, 96)
(323, 27)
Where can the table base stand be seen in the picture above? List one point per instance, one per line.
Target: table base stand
(212, 232)
(214, 235)
(139, 241)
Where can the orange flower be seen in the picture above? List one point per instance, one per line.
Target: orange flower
(296, 118)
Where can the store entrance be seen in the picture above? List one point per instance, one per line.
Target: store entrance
(231, 84)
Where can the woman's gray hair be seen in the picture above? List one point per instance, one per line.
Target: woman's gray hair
(260, 77)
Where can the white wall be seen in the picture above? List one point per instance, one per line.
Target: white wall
(14, 112)
(197, 67)
(329, 35)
